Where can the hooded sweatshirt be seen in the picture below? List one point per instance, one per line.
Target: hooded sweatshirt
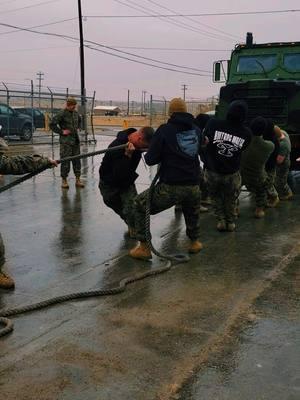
(117, 169)
(175, 145)
(227, 139)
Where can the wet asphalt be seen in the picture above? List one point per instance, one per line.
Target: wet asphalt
(223, 326)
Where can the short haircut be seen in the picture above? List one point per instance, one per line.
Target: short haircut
(148, 133)
(258, 126)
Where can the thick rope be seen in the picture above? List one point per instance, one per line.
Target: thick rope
(38, 171)
(179, 258)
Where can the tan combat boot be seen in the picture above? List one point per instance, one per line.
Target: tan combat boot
(221, 226)
(230, 227)
(273, 202)
(259, 212)
(6, 282)
(64, 183)
(195, 247)
(141, 252)
(289, 196)
(78, 183)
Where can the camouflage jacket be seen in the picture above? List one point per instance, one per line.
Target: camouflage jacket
(19, 165)
(66, 119)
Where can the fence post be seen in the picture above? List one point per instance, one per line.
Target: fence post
(7, 93)
(32, 122)
(51, 105)
(150, 116)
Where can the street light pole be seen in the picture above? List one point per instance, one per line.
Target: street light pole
(82, 72)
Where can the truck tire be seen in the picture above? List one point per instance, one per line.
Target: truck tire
(26, 132)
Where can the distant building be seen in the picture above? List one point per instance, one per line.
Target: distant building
(106, 110)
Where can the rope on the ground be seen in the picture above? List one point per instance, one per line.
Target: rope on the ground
(176, 259)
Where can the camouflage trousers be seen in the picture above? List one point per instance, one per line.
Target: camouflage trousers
(165, 196)
(68, 150)
(270, 184)
(203, 185)
(120, 200)
(257, 186)
(281, 184)
(224, 191)
(2, 253)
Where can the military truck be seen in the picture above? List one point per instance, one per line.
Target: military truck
(267, 77)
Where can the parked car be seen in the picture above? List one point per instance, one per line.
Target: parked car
(38, 116)
(15, 124)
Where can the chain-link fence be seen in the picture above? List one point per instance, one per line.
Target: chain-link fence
(25, 114)
(158, 112)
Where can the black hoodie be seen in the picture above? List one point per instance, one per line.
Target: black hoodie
(117, 169)
(175, 145)
(227, 139)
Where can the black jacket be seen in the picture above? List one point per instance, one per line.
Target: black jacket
(116, 168)
(175, 146)
(227, 139)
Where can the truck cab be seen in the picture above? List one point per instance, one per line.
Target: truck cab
(267, 77)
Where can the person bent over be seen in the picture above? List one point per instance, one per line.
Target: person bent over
(227, 139)
(269, 134)
(283, 163)
(253, 162)
(175, 146)
(118, 173)
(17, 165)
(66, 123)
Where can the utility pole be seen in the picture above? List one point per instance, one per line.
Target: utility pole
(82, 74)
(184, 88)
(128, 101)
(40, 79)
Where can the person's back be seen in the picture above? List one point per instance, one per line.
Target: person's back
(227, 139)
(255, 156)
(175, 146)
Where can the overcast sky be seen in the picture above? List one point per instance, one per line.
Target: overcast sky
(24, 54)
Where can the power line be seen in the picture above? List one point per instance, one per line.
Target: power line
(40, 26)
(168, 48)
(192, 20)
(110, 48)
(224, 14)
(31, 6)
(175, 23)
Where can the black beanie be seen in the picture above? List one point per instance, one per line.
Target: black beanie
(258, 126)
(269, 133)
(237, 111)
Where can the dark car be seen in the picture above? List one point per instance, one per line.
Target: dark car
(38, 116)
(15, 124)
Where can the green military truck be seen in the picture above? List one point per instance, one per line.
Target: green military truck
(267, 77)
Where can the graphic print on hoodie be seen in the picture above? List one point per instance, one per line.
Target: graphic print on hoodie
(227, 139)
(227, 143)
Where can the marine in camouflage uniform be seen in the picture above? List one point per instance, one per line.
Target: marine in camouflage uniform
(175, 146)
(16, 165)
(118, 173)
(254, 159)
(283, 165)
(66, 123)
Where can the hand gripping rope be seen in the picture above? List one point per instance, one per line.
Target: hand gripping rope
(171, 260)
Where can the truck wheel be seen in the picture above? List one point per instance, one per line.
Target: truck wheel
(26, 132)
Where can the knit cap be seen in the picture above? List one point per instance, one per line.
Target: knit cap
(177, 105)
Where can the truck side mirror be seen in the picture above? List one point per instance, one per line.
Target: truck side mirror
(217, 71)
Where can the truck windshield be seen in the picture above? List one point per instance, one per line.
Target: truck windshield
(256, 64)
(292, 62)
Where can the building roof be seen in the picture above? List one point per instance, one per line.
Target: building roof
(107, 108)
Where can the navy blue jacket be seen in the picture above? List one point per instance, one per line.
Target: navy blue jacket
(175, 145)
(117, 169)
